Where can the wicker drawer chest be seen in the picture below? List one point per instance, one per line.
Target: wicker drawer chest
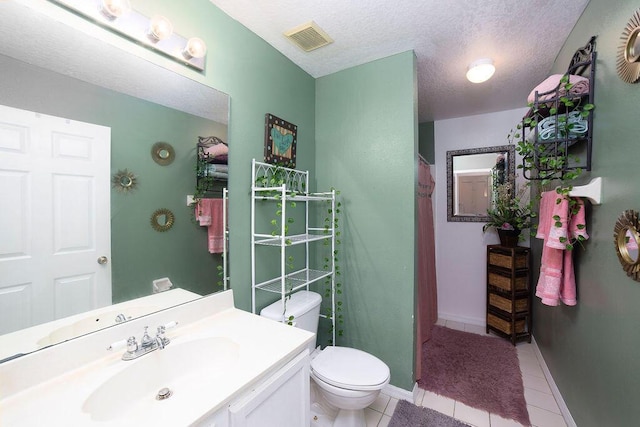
(509, 292)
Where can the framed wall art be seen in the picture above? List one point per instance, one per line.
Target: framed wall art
(280, 138)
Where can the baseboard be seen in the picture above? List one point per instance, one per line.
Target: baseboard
(564, 410)
(463, 319)
(398, 393)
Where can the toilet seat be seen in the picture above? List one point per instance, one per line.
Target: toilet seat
(350, 369)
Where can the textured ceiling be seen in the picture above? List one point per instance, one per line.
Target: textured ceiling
(522, 37)
(37, 39)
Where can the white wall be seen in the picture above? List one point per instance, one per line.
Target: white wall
(461, 247)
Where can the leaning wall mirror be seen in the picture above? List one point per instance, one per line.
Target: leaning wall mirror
(626, 236)
(90, 82)
(472, 177)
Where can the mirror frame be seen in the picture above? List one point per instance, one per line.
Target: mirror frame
(163, 147)
(155, 220)
(627, 221)
(511, 172)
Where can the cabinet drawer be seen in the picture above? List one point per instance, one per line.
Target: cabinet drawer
(504, 260)
(504, 282)
(504, 304)
(504, 325)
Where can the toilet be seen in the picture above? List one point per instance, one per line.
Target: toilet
(347, 379)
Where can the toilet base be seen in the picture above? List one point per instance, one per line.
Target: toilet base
(350, 418)
(324, 414)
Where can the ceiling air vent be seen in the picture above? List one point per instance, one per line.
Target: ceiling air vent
(308, 36)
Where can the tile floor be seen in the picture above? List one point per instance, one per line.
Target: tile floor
(542, 406)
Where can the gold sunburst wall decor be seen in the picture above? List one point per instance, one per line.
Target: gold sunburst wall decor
(124, 181)
(626, 238)
(628, 61)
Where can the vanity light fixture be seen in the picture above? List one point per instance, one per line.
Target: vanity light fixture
(481, 70)
(155, 34)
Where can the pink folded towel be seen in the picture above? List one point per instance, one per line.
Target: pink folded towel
(209, 213)
(557, 280)
(580, 86)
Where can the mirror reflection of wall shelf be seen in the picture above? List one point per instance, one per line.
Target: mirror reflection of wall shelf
(472, 175)
(212, 167)
(162, 220)
(124, 181)
(628, 61)
(155, 34)
(626, 237)
(163, 153)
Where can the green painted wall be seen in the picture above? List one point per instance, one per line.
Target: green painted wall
(138, 253)
(259, 80)
(592, 348)
(366, 136)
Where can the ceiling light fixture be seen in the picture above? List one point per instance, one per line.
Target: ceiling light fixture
(481, 70)
(155, 34)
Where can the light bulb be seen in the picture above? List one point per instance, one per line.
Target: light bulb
(481, 70)
(195, 48)
(160, 28)
(113, 9)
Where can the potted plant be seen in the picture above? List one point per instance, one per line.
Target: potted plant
(511, 213)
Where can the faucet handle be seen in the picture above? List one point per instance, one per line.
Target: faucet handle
(132, 344)
(170, 325)
(117, 345)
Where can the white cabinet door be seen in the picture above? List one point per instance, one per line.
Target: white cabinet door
(217, 419)
(280, 401)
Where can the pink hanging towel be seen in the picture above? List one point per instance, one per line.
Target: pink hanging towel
(557, 280)
(209, 214)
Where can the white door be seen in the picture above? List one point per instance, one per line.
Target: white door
(54, 218)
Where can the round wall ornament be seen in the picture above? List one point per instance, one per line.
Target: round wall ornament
(628, 60)
(626, 237)
(124, 181)
(162, 220)
(162, 153)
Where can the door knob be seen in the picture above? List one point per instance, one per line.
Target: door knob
(103, 260)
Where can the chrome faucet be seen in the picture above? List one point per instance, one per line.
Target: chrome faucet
(122, 318)
(147, 343)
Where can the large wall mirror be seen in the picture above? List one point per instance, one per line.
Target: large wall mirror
(472, 176)
(50, 68)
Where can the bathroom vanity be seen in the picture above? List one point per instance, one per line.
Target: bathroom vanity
(223, 367)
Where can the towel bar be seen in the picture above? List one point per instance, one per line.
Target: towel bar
(591, 191)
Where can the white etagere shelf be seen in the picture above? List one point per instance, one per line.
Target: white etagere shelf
(293, 189)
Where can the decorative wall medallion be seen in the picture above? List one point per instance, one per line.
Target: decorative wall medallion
(124, 181)
(626, 238)
(162, 220)
(628, 61)
(280, 138)
(162, 153)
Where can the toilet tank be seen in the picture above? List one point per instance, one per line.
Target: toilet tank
(304, 306)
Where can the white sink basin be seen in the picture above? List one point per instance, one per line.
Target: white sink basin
(180, 367)
(91, 324)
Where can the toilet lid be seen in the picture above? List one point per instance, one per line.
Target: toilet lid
(349, 368)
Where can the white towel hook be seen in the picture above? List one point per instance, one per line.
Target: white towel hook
(591, 191)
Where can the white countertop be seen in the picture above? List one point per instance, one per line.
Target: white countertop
(39, 336)
(56, 400)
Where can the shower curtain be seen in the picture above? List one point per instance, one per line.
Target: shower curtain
(427, 301)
